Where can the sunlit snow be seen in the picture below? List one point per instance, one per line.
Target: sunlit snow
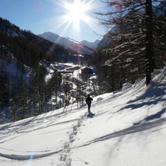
(129, 129)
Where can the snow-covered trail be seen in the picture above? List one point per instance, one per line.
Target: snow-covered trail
(128, 129)
(131, 133)
(39, 139)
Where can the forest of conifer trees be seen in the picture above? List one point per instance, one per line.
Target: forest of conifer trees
(138, 40)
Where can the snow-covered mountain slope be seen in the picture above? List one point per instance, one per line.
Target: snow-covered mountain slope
(78, 47)
(92, 45)
(129, 129)
(56, 39)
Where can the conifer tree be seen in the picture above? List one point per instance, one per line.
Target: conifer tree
(134, 21)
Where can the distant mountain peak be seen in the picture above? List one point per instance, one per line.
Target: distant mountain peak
(83, 47)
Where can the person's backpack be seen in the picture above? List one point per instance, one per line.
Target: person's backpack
(88, 100)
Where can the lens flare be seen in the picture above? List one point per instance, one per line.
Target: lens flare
(75, 15)
(76, 12)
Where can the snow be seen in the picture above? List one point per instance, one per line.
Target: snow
(79, 47)
(49, 74)
(129, 128)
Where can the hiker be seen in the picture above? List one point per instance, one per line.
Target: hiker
(88, 102)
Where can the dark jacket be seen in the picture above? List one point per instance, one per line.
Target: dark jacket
(88, 100)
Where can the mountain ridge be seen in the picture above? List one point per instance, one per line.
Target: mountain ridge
(83, 47)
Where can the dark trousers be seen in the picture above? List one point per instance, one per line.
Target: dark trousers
(89, 105)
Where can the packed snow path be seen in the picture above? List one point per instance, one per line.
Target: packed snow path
(129, 129)
(65, 154)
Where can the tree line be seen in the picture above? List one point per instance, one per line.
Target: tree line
(137, 42)
(25, 63)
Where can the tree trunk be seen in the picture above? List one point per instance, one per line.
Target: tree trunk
(149, 41)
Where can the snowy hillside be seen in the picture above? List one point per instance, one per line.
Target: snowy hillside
(92, 45)
(83, 47)
(129, 129)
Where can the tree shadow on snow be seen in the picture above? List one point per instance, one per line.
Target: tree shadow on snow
(152, 96)
(31, 125)
(130, 130)
(28, 157)
(155, 116)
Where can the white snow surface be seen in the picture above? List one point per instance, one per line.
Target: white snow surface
(129, 129)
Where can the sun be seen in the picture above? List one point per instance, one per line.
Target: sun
(77, 16)
(76, 12)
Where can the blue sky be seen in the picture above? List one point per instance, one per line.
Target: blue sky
(41, 16)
